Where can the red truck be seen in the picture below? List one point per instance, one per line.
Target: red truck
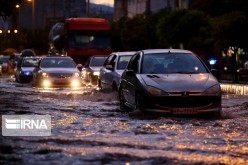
(81, 38)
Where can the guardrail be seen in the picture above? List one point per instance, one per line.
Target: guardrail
(239, 89)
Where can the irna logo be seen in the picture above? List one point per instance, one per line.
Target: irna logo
(26, 125)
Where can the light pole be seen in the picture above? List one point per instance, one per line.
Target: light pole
(88, 8)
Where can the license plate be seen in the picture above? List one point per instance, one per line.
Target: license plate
(184, 111)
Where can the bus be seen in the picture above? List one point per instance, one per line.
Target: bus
(81, 38)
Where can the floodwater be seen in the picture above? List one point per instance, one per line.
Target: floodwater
(89, 128)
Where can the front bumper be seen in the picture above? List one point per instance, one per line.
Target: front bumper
(182, 105)
(60, 82)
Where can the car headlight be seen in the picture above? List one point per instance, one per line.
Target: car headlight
(27, 73)
(213, 90)
(75, 83)
(46, 83)
(44, 74)
(96, 73)
(76, 74)
(155, 91)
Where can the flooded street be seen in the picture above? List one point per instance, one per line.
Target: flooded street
(89, 128)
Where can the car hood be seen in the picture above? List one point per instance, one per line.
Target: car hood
(27, 69)
(180, 82)
(60, 70)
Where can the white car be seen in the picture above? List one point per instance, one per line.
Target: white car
(113, 67)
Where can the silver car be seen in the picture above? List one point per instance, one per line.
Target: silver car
(169, 81)
(113, 67)
(56, 71)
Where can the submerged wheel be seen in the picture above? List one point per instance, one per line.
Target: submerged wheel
(114, 86)
(123, 107)
(138, 103)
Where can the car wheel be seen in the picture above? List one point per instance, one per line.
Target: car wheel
(123, 107)
(138, 103)
(114, 86)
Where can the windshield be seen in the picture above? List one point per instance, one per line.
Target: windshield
(89, 41)
(4, 59)
(29, 62)
(57, 63)
(123, 61)
(97, 61)
(165, 63)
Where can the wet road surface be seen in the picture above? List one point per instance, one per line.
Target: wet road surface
(88, 128)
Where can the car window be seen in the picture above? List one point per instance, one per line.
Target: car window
(4, 59)
(29, 62)
(57, 63)
(123, 61)
(97, 61)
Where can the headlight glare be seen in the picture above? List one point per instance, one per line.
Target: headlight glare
(46, 83)
(96, 73)
(44, 74)
(75, 83)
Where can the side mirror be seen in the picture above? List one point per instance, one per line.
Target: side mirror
(130, 73)
(110, 67)
(80, 67)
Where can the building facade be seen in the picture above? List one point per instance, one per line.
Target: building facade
(134, 7)
(45, 13)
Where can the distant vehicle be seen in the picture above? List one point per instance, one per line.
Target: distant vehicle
(27, 53)
(25, 67)
(90, 71)
(12, 63)
(242, 73)
(80, 38)
(110, 73)
(169, 81)
(4, 60)
(56, 71)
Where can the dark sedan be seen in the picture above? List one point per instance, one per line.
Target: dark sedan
(169, 81)
(25, 67)
(56, 71)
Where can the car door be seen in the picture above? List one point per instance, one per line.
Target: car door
(105, 72)
(130, 81)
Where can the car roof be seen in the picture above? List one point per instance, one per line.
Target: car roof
(124, 53)
(148, 51)
(55, 56)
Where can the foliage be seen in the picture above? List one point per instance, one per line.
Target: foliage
(7, 6)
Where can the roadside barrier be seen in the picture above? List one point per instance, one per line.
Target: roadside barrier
(239, 89)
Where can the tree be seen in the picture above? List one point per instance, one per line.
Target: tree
(7, 6)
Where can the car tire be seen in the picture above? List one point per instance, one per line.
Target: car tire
(114, 87)
(138, 103)
(123, 107)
